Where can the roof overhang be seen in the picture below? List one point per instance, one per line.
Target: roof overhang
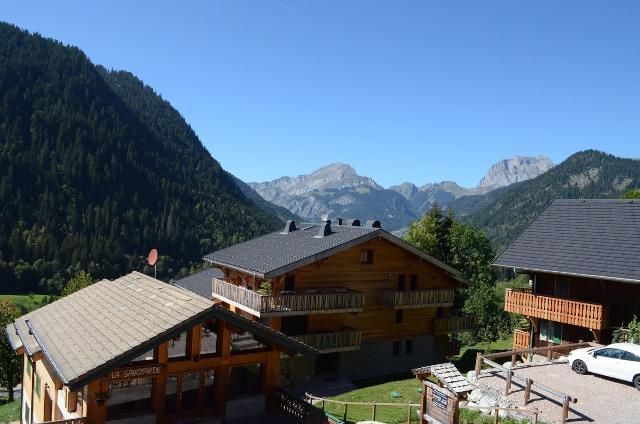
(524, 270)
(452, 272)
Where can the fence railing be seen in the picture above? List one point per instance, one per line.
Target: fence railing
(312, 400)
(414, 299)
(454, 324)
(521, 339)
(301, 411)
(566, 311)
(337, 341)
(314, 301)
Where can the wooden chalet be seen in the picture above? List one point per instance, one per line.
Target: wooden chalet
(582, 258)
(137, 349)
(370, 303)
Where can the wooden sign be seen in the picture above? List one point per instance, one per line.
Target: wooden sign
(439, 404)
(141, 371)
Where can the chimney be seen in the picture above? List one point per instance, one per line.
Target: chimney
(325, 229)
(338, 221)
(353, 222)
(373, 223)
(289, 227)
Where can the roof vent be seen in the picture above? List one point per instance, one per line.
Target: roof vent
(338, 221)
(373, 223)
(353, 222)
(289, 227)
(325, 229)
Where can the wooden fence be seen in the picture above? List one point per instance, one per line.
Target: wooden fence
(300, 411)
(373, 405)
(417, 298)
(566, 311)
(324, 300)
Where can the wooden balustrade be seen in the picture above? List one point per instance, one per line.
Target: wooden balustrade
(343, 340)
(520, 339)
(566, 311)
(414, 299)
(453, 324)
(324, 300)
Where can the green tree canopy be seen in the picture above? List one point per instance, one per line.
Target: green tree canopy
(10, 363)
(634, 193)
(79, 281)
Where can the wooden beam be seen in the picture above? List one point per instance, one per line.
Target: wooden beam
(159, 383)
(221, 387)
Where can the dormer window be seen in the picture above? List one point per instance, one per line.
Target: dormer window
(366, 257)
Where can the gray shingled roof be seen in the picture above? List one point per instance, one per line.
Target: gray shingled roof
(593, 238)
(108, 324)
(277, 253)
(200, 282)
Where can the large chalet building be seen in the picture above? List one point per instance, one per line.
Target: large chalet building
(582, 258)
(368, 301)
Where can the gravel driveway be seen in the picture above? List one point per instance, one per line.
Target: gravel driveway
(600, 400)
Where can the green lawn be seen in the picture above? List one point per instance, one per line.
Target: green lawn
(27, 302)
(379, 390)
(9, 411)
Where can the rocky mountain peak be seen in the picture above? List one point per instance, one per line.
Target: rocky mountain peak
(514, 170)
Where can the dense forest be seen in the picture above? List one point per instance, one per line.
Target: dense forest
(504, 213)
(95, 169)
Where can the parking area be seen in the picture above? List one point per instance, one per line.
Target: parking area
(600, 400)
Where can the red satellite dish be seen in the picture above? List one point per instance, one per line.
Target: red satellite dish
(153, 257)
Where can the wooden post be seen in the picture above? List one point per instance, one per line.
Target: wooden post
(345, 412)
(97, 414)
(270, 373)
(507, 385)
(408, 413)
(373, 411)
(193, 342)
(495, 419)
(161, 356)
(478, 364)
(220, 388)
(549, 354)
(513, 361)
(565, 410)
(527, 391)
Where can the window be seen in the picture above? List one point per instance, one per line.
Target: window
(610, 353)
(408, 347)
(290, 283)
(628, 356)
(550, 331)
(178, 346)
(38, 385)
(400, 284)
(399, 318)
(396, 348)
(366, 257)
(414, 282)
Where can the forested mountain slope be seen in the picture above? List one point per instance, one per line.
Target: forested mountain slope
(91, 178)
(590, 174)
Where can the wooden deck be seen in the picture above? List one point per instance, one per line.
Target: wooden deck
(344, 340)
(414, 299)
(566, 311)
(325, 300)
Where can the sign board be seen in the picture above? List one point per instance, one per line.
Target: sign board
(141, 371)
(439, 405)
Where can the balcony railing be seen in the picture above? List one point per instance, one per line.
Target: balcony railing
(343, 340)
(566, 311)
(418, 298)
(325, 300)
(453, 324)
(520, 339)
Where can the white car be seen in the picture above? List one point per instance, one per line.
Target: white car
(618, 360)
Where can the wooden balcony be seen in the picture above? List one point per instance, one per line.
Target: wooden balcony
(453, 324)
(344, 340)
(566, 311)
(325, 300)
(417, 298)
(520, 339)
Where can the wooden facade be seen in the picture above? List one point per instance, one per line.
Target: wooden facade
(348, 293)
(564, 309)
(208, 371)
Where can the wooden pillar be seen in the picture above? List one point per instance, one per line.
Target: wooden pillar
(478, 364)
(193, 342)
(97, 410)
(201, 393)
(220, 390)
(223, 342)
(270, 376)
(507, 386)
(565, 410)
(527, 391)
(159, 382)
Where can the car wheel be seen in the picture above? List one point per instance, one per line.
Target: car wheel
(636, 381)
(579, 366)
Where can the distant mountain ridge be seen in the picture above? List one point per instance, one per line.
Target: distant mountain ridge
(337, 190)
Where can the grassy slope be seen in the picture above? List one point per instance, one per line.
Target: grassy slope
(10, 412)
(372, 390)
(27, 302)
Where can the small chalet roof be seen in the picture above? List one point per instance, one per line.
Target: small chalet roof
(280, 252)
(106, 325)
(594, 238)
(200, 282)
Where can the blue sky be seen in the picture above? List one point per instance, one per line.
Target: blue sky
(403, 90)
